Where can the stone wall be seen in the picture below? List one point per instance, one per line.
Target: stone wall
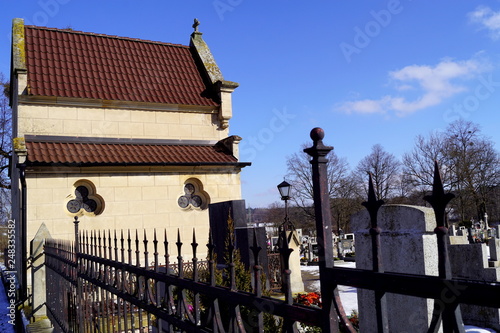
(118, 123)
(131, 201)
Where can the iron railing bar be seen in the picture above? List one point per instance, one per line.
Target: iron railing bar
(61, 259)
(307, 315)
(201, 287)
(159, 312)
(150, 274)
(423, 286)
(67, 278)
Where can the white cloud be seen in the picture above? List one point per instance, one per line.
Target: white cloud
(433, 84)
(487, 19)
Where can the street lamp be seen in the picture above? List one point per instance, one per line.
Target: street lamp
(285, 189)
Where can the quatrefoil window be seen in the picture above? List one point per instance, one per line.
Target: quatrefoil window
(193, 196)
(85, 200)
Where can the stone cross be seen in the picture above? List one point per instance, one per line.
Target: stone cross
(196, 24)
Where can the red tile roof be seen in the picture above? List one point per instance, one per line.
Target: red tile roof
(86, 153)
(66, 63)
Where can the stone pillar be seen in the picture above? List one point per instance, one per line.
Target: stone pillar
(38, 284)
(296, 283)
(408, 245)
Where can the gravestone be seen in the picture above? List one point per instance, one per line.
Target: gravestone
(408, 245)
(38, 270)
(470, 261)
(453, 230)
(494, 244)
(235, 209)
(296, 283)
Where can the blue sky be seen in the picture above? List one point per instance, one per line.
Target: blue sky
(367, 72)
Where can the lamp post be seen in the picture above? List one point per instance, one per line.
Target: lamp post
(285, 233)
(285, 189)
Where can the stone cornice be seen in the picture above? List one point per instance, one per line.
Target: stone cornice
(110, 104)
(117, 169)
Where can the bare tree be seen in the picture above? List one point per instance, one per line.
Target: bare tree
(5, 150)
(5, 133)
(341, 188)
(469, 166)
(418, 165)
(300, 176)
(384, 168)
(475, 166)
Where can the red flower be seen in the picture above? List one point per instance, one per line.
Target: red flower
(308, 299)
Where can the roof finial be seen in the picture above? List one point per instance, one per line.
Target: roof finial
(196, 24)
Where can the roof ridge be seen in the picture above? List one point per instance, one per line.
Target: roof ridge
(78, 32)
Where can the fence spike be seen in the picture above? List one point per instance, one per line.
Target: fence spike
(155, 247)
(211, 266)
(179, 256)
(194, 245)
(129, 250)
(92, 243)
(137, 252)
(179, 243)
(104, 243)
(146, 259)
(167, 255)
(372, 205)
(122, 245)
(155, 240)
(438, 199)
(210, 245)
(100, 240)
(110, 246)
(145, 241)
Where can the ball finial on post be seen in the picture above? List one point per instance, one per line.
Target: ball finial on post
(317, 134)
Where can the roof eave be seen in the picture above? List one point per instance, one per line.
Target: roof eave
(166, 164)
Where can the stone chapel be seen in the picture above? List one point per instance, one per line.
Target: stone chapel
(120, 132)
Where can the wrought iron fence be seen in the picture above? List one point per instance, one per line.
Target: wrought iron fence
(112, 283)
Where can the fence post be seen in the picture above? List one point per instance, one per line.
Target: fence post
(79, 319)
(324, 230)
(373, 205)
